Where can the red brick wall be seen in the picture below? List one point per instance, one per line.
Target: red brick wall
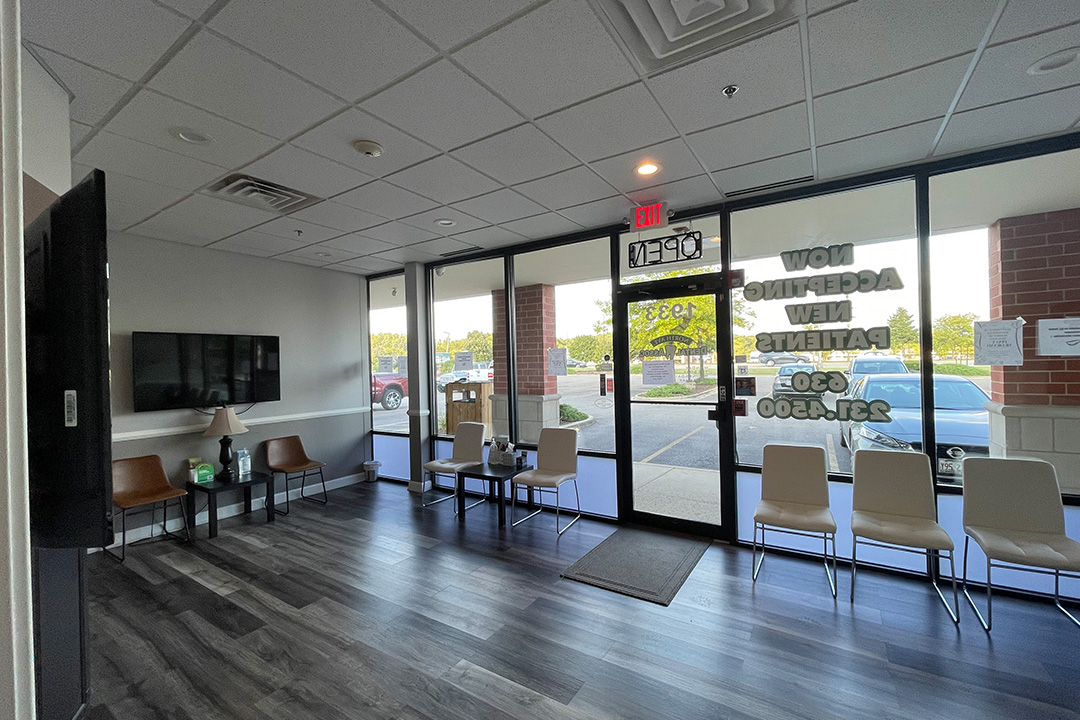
(535, 334)
(1035, 273)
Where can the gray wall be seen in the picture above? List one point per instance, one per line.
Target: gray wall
(325, 397)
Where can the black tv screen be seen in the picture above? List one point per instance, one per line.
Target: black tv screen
(69, 426)
(191, 370)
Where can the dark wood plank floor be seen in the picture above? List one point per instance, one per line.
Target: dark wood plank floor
(372, 607)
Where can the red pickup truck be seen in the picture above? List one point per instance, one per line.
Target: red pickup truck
(389, 389)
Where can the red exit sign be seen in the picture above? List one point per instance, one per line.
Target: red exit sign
(651, 216)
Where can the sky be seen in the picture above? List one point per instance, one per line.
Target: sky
(959, 280)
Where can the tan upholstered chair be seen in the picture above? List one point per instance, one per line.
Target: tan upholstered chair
(893, 506)
(286, 455)
(556, 463)
(1013, 510)
(140, 481)
(795, 500)
(468, 450)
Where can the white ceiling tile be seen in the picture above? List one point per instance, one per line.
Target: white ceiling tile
(386, 200)
(150, 118)
(406, 254)
(125, 37)
(775, 133)
(371, 264)
(426, 220)
(306, 171)
(121, 216)
(766, 172)
(872, 152)
(191, 8)
(79, 132)
(572, 187)
(327, 41)
(113, 153)
(320, 254)
(200, 220)
(334, 139)
(264, 243)
(548, 225)
(490, 237)
(137, 196)
(1025, 17)
(218, 76)
(768, 71)
(556, 55)
(871, 39)
(1002, 72)
(234, 247)
(443, 106)
(681, 194)
(305, 232)
(357, 244)
(674, 158)
(95, 91)
(302, 260)
(516, 155)
(865, 109)
(599, 213)
(338, 216)
(450, 23)
(398, 234)
(1011, 121)
(444, 179)
(500, 206)
(608, 125)
(816, 6)
(443, 246)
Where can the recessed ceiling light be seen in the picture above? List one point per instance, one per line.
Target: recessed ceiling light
(647, 168)
(445, 222)
(730, 90)
(191, 136)
(1054, 61)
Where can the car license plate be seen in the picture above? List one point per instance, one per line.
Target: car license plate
(949, 467)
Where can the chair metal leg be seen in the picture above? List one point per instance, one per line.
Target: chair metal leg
(312, 498)
(513, 504)
(444, 498)
(854, 546)
(825, 551)
(1057, 598)
(577, 517)
(277, 506)
(123, 540)
(988, 622)
(755, 564)
(954, 615)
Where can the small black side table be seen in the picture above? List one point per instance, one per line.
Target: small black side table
(494, 474)
(215, 488)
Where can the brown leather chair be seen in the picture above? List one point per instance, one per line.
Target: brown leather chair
(140, 481)
(286, 455)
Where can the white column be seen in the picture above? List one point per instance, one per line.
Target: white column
(16, 646)
(416, 313)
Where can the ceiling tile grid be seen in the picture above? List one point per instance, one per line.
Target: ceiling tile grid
(357, 244)
(450, 23)
(600, 212)
(572, 187)
(500, 206)
(690, 192)
(673, 158)
(1044, 114)
(543, 226)
(200, 220)
(292, 228)
(1025, 17)
(113, 153)
(334, 139)
(96, 91)
(771, 134)
(556, 55)
(516, 155)
(337, 216)
(386, 200)
(870, 152)
(767, 172)
(262, 243)
(369, 264)
(489, 237)
(307, 172)
(398, 234)
(444, 179)
(428, 221)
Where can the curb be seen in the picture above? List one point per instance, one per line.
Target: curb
(579, 423)
(677, 398)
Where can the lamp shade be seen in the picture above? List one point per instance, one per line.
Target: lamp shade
(225, 422)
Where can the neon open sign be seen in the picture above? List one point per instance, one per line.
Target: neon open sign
(651, 216)
(665, 250)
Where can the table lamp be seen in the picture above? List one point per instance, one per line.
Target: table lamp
(224, 425)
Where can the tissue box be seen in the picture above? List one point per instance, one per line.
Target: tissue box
(497, 457)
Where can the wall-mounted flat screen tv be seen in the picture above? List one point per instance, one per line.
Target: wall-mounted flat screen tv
(190, 370)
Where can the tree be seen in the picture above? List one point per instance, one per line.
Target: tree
(387, 344)
(902, 332)
(954, 335)
(480, 343)
(588, 348)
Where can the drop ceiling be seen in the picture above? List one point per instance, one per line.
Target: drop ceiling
(519, 120)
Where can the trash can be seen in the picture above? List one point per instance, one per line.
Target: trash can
(371, 469)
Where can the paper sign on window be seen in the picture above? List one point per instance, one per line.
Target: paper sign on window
(657, 372)
(556, 361)
(463, 360)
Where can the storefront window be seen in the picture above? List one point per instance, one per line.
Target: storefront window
(826, 331)
(389, 338)
(563, 325)
(468, 326)
(682, 249)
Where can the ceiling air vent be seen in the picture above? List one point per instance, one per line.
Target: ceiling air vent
(452, 253)
(770, 186)
(261, 194)
(663, 33)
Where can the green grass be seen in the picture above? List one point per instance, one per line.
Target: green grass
(569, 413)
(673, 390)
(952, 368)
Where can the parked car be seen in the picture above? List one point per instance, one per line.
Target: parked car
(782, 380)
(961, 420)
(389, 389)
(450, 377)
(574, 363)
(780, 358)
(870, 364)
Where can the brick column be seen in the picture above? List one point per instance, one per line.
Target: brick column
(538, 392)
(1035, 274)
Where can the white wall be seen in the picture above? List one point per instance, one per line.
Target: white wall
(46, 127)
(169, 287)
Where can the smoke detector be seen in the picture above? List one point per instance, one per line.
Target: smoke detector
(368, 148)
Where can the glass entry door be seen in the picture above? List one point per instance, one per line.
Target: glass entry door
(676, 410)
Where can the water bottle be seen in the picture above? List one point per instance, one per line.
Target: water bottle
(243, 462)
